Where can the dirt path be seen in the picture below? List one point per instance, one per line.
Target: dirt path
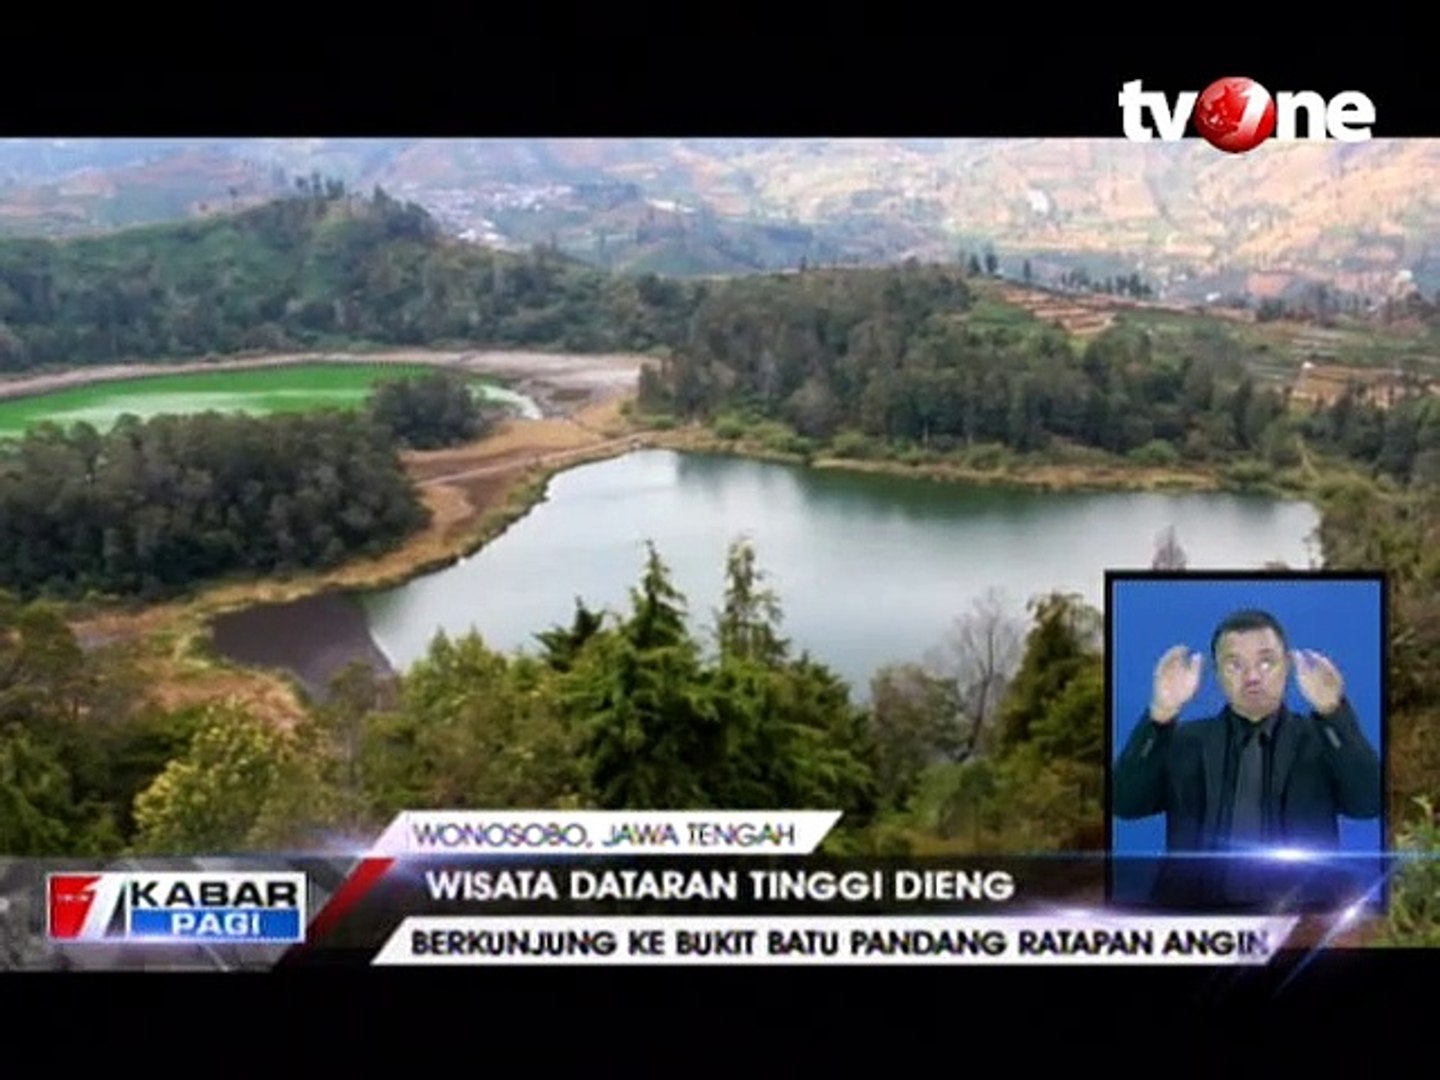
(628, 442)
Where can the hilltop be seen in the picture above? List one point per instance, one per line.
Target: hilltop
(322, 269)
(1359, 218)
(325, 268)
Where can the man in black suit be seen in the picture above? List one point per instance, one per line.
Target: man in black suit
(1255, 777)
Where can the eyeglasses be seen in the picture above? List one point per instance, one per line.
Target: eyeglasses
(1233, 665)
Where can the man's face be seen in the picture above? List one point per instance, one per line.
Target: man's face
(1252, 668)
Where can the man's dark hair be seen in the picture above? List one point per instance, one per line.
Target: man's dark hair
(1240, 621)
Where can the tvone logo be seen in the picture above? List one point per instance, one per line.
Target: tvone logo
(1237, 114)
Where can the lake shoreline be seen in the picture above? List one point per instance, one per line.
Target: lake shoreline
(474, 492)
(317, 637)
(562, 384)
(489, 485)
(478, 492)
(852, 552)
(524, 487)
(1054, 476)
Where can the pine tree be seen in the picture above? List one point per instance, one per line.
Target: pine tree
(563, 643)
(658, 609)
(652, 738)
(747, 627)
(1062, 643)
(36, 804)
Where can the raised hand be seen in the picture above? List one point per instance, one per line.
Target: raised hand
(1177, 678)
(1319, 680)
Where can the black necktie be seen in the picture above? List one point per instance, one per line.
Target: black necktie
(1244, 880)
(1247, 823)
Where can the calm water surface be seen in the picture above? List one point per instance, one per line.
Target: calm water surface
(869, 569)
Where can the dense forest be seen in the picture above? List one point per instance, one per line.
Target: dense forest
(1362, 528)
(996, 744)
(854, 360)
(616, 710)
(993, 744)
(149, 507)
(326, 269)
(861, 364)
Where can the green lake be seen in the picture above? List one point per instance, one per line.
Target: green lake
(257, 391)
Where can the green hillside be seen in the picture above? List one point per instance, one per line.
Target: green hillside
(327, 269)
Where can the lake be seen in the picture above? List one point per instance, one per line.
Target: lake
(869, 569)
(257, 391)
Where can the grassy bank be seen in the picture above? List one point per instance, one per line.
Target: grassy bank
(1072, 469)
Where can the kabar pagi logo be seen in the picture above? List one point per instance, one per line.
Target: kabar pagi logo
(1236, 114)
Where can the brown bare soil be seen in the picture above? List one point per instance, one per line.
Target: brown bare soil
(174, 686)
(514, 442)
(1323, 384)
(1084, 315)
(1075, 315)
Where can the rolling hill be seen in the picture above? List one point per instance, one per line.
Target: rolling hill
(1361, 218)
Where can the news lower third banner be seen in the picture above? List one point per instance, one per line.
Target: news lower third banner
(546, 888)
(649, 832)
(1075, 939)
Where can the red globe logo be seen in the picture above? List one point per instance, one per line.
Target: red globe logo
(1235, 114)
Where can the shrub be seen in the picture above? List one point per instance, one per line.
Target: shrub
(852, 444)
(1249, 473)
(1413, 919)
(1156, 452)
(728, 427)
(988, 456)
